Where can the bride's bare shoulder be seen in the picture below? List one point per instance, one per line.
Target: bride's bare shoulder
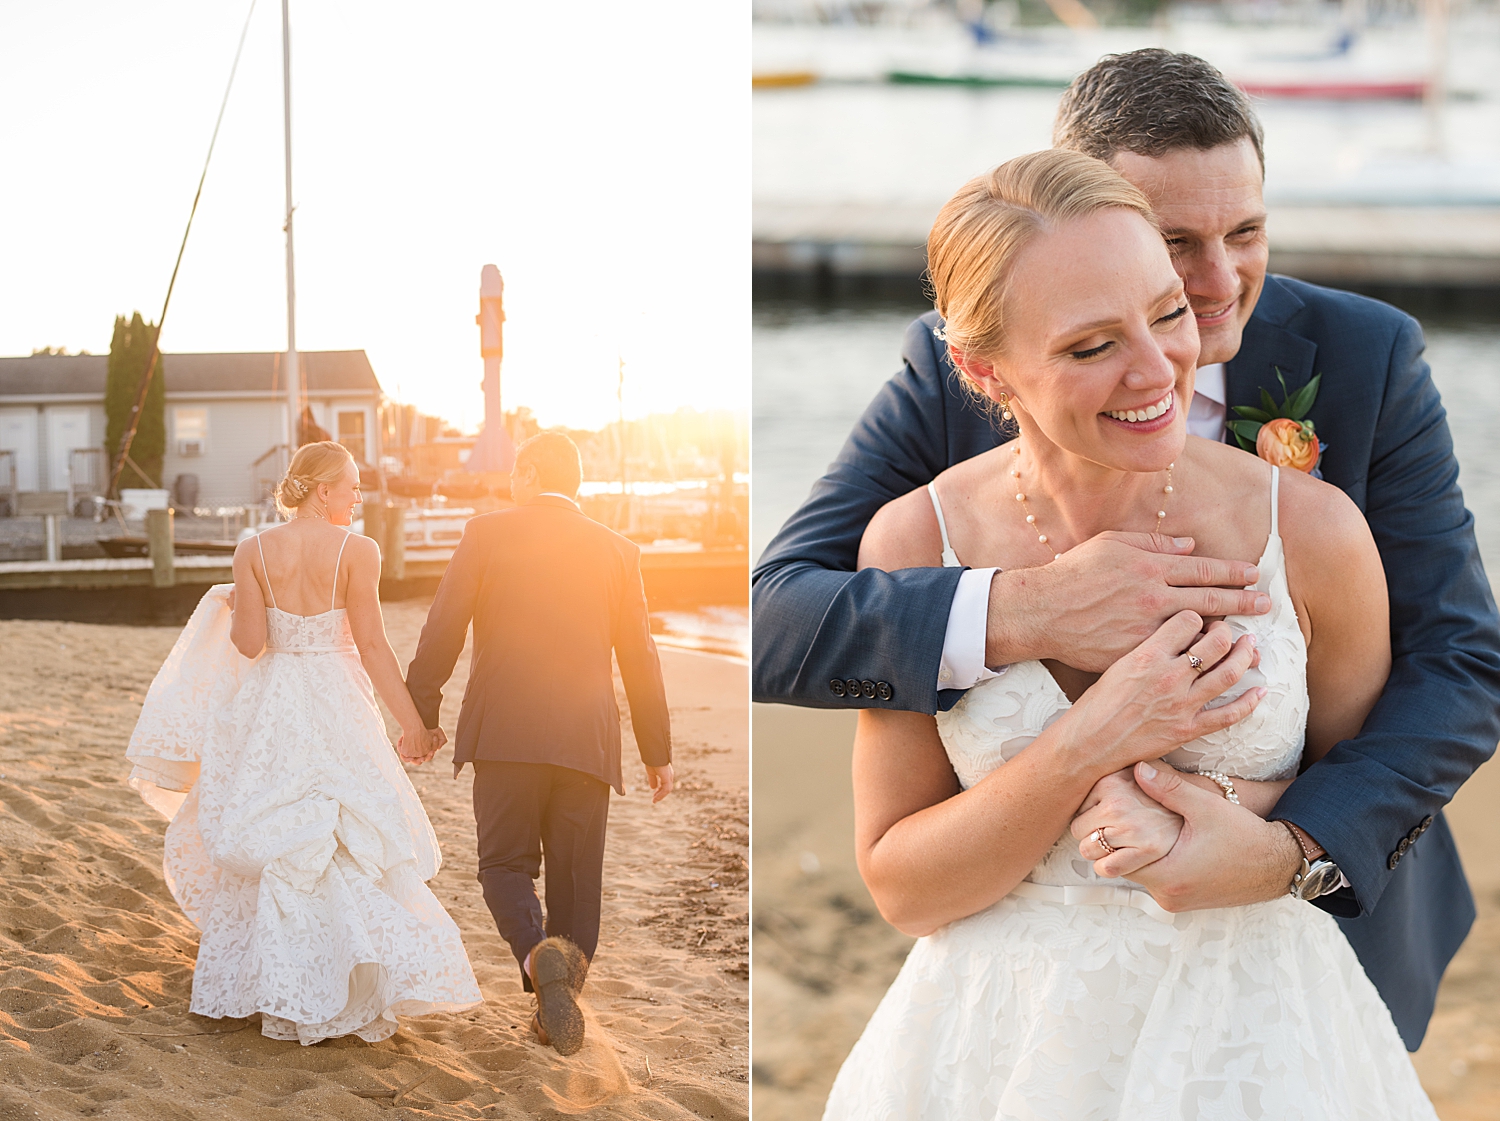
(1318, 520)
(903, 534)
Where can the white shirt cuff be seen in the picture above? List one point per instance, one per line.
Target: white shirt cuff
(962, 665)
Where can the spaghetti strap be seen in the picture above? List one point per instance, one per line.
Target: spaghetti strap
(1275, 487)
(266, 571)
(334, 595)
(950, 558)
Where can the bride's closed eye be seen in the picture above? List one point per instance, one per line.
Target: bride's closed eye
(1171, 316)
(1093, 352)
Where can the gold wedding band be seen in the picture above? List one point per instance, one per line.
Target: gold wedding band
(1098, 836)
(1196, 662)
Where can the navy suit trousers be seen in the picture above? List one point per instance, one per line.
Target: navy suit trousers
(525, 813)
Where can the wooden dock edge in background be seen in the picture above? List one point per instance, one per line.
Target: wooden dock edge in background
(163, 589)
(1440, 246)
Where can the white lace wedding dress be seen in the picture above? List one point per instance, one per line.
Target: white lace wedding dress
(297, 845)
(1076, 998)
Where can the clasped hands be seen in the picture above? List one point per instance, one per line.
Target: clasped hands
(1129, 606)
(420, 746)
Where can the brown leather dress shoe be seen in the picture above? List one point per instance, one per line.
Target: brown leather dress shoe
(558, 1016)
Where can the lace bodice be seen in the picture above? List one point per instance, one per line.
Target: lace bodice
(325, 633)
(996, 719)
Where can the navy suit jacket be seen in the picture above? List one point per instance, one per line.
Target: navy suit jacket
(819, 626)
(550, 592)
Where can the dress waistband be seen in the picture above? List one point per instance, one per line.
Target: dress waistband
(1094, 895)
(312, 650)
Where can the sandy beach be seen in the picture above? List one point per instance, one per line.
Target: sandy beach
(96, 959)
(823, 956)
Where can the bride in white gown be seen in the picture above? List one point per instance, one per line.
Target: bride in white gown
(1043, 985)
(297, 844)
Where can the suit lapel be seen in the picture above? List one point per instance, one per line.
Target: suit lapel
(1266, 347)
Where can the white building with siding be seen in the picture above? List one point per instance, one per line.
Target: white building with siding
(225, 419)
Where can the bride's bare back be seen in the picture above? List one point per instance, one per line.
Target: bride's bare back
(301, 566)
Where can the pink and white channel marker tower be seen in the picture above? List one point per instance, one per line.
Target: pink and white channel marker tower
(493, 451)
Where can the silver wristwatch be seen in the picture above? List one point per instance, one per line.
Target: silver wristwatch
(1313, 880)
(1317, 876)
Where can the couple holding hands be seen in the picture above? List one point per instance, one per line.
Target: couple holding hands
(297, 844)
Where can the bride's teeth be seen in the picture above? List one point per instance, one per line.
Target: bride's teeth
(1150, 412)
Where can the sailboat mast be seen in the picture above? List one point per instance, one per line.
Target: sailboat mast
(293, 370)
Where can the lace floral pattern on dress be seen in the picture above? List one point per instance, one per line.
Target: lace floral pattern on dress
(1036, 1009)
(302, 851)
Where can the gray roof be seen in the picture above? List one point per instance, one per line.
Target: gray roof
(323, 371)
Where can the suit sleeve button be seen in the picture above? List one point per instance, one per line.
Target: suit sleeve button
(867, 688)
(852, 687)
(1404, 844)
(884, 691)
(836, 687)
(1393, 861)
(1426, 823)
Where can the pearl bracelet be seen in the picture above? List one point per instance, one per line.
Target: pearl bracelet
(1225, 784)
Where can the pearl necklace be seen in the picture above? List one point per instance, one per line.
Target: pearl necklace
(1015, 472)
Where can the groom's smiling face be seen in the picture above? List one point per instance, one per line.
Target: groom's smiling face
(1213, 215)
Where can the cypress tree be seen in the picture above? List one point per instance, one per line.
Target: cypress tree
(129, 352)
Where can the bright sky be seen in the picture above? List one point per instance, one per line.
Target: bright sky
(597, 151)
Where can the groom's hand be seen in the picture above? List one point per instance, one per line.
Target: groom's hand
(661, 780)
(1102, 599)
(1225, 856)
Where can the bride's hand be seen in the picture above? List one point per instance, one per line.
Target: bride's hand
(418, 747)
(1136, 826)
(1151, 701)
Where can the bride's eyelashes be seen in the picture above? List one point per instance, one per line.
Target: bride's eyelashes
(1093, 352)
(1096, 351)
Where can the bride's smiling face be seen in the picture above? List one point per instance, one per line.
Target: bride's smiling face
(1100, 348)
(340, 498)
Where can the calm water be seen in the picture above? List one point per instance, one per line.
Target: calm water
(870, 143)
(815, 370)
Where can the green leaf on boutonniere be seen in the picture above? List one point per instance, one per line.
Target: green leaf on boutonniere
(1254, 414)
(1303, 399)
(1245, 432)
(1294, 406)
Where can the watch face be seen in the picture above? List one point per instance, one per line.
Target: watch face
(1322, 879)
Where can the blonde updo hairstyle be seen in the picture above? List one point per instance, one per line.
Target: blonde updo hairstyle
(322, 462)
(983, 228)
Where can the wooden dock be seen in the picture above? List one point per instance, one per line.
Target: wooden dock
(164, 587)
(1438, 246)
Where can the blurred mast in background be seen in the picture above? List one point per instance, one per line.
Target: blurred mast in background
(1436, 95)
(293, 371)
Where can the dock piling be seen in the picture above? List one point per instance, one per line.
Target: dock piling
(395, 542)
(159, 545)
(52, 524)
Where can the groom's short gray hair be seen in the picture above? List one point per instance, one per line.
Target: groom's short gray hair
(559, 468)
(1151, 102)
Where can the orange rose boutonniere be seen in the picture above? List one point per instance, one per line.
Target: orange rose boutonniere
(1281, 434)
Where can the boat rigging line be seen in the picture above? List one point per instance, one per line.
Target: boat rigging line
(140, 398)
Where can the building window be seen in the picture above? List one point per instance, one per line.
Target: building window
(191, 429)
(352, 434)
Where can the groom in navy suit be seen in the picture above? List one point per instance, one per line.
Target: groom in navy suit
(1366, 820)
(551, 595)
